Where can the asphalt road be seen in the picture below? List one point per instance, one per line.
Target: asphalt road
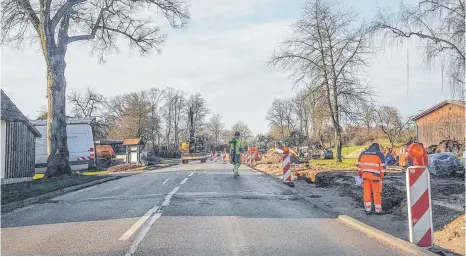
(193, 209)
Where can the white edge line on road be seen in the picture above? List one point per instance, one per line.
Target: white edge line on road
(184, 181)
(191, 174)
(165, 181)
(138, 224)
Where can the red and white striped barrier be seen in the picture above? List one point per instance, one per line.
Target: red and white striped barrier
(421, 232)
(88, 158)
(248, 159)
(286, 164)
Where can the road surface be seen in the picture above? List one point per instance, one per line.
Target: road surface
(193, 209)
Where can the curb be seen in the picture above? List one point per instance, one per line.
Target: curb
(384, 237)
(36, 199)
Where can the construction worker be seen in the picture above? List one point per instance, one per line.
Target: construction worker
(236, 149)
(371, 168)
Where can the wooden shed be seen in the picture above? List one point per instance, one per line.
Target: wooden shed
(133, 150)
(443, 121)
(18, 137)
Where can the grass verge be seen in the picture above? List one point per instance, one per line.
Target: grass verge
(20, 191)
(346, 164)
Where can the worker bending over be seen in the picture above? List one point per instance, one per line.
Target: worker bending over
(371, 168)
(236, 148)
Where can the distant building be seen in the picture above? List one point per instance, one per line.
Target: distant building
(18, 138)
(443, 121)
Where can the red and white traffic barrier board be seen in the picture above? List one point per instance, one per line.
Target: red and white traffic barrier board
(286, 164)
(421, 230)
(248, 160)
(88, 158)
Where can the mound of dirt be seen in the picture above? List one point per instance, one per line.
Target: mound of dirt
(122, 167)
(271, 158)
(452, 236)
(446, 146)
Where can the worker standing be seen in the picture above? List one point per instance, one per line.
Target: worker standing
(371, 168)
(236, 149)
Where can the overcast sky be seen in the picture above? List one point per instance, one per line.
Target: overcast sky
(222, 55)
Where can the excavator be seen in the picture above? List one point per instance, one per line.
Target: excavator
(194, 148)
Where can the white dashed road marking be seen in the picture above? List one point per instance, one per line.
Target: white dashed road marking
(191, 174)
(165, 181)
(143, 233)
(184, 181)
(138, 224)
(169, 196)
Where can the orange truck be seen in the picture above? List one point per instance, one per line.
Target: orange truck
(105, 155)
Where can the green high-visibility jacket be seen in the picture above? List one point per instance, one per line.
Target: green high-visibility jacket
(235, 145)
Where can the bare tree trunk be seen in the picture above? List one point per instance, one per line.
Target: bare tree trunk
(57, 147)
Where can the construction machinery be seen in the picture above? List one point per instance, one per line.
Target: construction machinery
(194, 148)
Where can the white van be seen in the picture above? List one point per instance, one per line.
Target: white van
(80, 144)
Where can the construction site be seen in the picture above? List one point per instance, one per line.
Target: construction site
(336, 190)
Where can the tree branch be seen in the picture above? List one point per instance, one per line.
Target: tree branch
(26, 6)
(61, 12)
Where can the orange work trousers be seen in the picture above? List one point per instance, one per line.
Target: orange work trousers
(372, 188)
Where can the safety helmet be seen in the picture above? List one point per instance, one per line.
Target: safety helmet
(237, 134)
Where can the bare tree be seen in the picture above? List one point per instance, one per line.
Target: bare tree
(301, 110)
(280, 116)
(215, 127)
(243, 129)
(326, 53)
(200, 111)
(86, 103)
(129, 115)
(440, 26)
(56, 24)
(368, 116)
(264, 140)
(155, 96)
(42, 113)
(89, 104)
(174, 115)
(390, 122)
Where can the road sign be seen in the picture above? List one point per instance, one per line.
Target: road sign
(421, 230)
(286, 164)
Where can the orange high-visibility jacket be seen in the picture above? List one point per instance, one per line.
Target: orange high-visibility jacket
(371, 164)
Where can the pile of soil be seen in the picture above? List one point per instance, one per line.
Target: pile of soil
(271, 158)
(446, 146)
(123, 167)
(452, 237)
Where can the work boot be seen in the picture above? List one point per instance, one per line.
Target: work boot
(381, 212)
(368, 212)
